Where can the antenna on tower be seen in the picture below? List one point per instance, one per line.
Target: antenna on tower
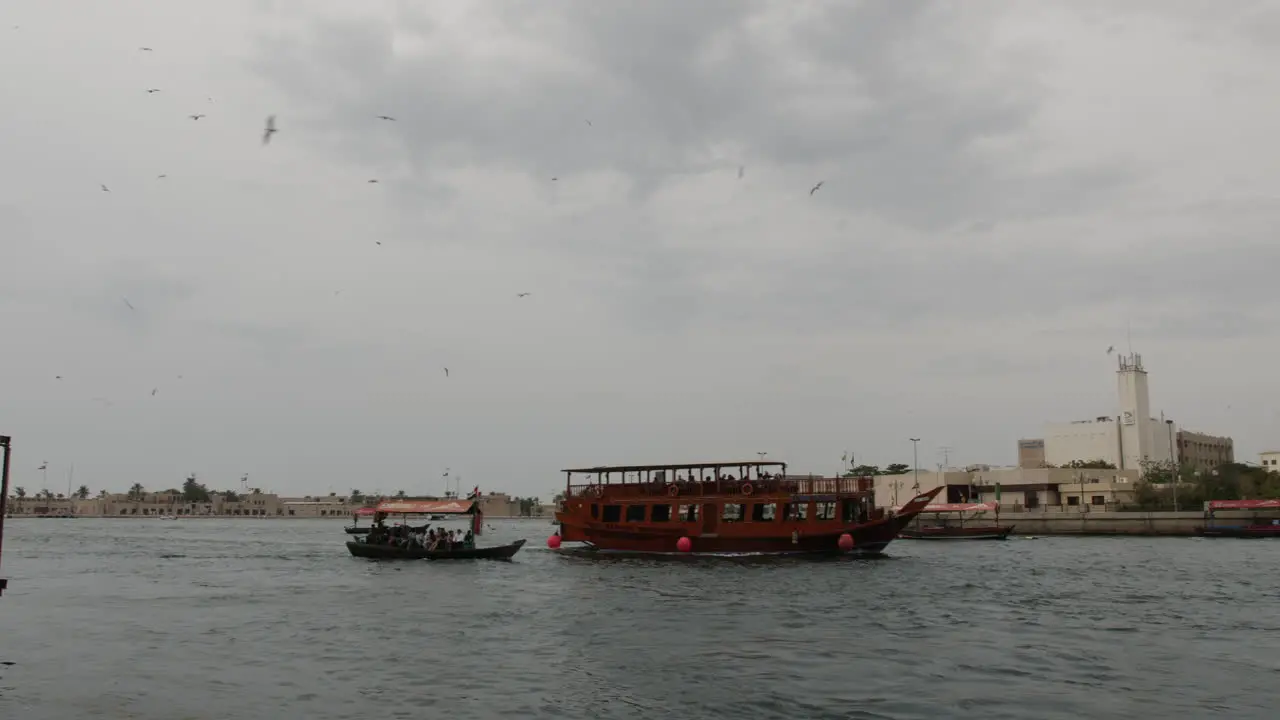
(1129, 334)
(244, 484)
(946, 455)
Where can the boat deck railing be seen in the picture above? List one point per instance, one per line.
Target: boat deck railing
(695, 488)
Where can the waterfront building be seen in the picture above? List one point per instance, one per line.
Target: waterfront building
(1016, 489)
(1031, 453)
(1270, 460)
(1199, 451)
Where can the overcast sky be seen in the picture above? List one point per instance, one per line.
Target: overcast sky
(1007, 188)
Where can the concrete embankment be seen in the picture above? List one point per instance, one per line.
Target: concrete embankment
(1116, 523)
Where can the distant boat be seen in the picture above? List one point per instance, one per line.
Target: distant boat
(939, 527)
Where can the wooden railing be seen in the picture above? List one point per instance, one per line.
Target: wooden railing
(772, 486)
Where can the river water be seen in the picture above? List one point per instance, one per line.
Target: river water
(247, 619)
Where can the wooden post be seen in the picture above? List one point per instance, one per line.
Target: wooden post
(4, 500)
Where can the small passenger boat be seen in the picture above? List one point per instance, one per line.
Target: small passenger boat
(750, 507)
(379, 542)
(948, 522)
(1257, 527)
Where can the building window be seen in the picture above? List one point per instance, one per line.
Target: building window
(1097, 500)
(763, 512)
(635, 513)
(660, 513)
(1031, 500)
(1073, 500)
(612, 513)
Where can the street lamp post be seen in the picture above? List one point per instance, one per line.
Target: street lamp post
(4, 499)
(1173, 465)
(915, 462)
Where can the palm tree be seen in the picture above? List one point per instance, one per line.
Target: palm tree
(20, 492)
(83, 492)
(400, 493)
(137, 492)
(102, 494)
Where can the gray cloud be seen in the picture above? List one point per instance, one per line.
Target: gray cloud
(1008, 188)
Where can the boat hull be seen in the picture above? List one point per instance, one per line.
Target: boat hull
(989, 532)
(389, 552)
(356, 530)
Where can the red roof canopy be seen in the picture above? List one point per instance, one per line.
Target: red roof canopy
(365, 511)
(425, 507)
(1243, 504)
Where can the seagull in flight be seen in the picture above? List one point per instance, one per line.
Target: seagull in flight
(196, 116)
(446, 372)
(154, 391)
(145, 49)
(269, 130)
(126, 302)
(153, 90)
(374, 180)
(588, 122)
(741, 169)
(386, 117)
(523, 294)
(57, 377)
(161, 176)
(815, 187)
(105, 188)
(1111, 349)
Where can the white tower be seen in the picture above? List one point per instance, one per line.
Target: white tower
(1137, 431)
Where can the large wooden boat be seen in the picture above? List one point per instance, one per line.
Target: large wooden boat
(725, 507)
(380, 543)
(1258, 527)
(957, 521)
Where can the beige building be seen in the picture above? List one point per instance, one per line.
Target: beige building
(1031, 453)
(1204, 452)
(1270, 460)
(1020, 489)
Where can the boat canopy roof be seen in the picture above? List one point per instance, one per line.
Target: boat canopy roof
(426, 507)
(1242, 504)
(676, 466)
(958, 507)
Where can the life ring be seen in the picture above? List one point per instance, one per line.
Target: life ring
(673, 490)
(746, 489)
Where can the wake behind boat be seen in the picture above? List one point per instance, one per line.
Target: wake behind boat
(403, 542)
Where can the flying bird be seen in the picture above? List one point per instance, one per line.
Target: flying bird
(269, 130)
(377, 242)
(153, 90)
(196, 117)
(815, 187)
(554, 179)
(161, 177)
(145, 49)
(126, 302)
(741, 170)
(523, 294)
(105, 188)
(446, 372)
(373, 180)
(588, 122)
(1111, 349)
(154, 391)
(57, 377)
(386, 117)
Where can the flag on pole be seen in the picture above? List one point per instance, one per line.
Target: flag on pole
(43, 466)
(475, 493)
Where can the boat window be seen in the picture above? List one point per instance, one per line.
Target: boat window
(796, 511)
(635, 513)
(660, 513)
(688, 513)
(825, 511)
(764, 512)
(595, 511)
(612, 513)
(732, 512)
